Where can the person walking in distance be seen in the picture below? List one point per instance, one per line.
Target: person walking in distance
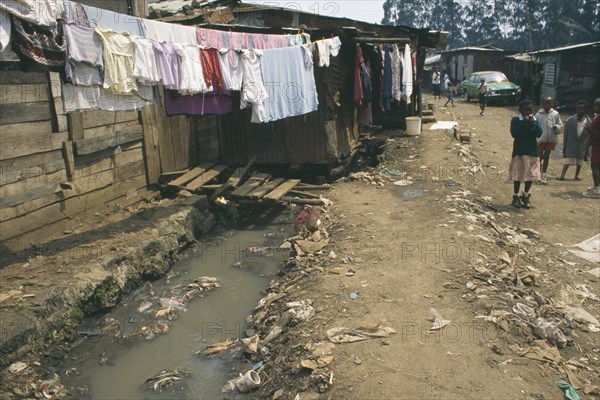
(482, 89)
(436, 81)
(549, 120)
(594, 132)
(451, 91)
(525, 163)
(575, 140)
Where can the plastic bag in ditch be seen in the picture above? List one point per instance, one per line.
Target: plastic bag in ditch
(174, 303)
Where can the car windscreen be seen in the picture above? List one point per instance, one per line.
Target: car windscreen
(494, 77)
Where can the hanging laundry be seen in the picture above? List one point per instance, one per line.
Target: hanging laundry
(211, 68)
(33, 43)
(5, 28)
(75, 13)
(146, 68)
(328, 48)
(158, 30)
(213, 39)
(192, 75)
(291, 82)
(119, 61)
(43, 13)
(211, 103)
(407, 75)
(396, 73)
(111, 20)
(78, 98)
(387, 80)
(231, 69)
(84, 55)
(183, 34)
(254, 92)
(169, 64)
(297, 40)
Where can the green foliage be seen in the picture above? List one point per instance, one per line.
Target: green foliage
(508, 24)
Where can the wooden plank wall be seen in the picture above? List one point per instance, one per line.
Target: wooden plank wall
(46, 185)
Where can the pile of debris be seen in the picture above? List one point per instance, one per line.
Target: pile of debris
(513, 294)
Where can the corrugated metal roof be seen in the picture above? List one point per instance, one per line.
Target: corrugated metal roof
(575, 46)
(472, 48)
(433, 59)
(524, 57)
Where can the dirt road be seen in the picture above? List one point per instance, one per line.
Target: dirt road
(423, 244)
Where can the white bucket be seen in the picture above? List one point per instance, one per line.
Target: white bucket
(413, 126)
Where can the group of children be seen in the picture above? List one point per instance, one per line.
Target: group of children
(536, 136)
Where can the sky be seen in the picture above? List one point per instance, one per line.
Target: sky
(365, 10)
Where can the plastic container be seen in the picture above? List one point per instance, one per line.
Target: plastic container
(413, 126)
(248, 381)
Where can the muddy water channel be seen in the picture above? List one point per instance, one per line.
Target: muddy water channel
(116, 367)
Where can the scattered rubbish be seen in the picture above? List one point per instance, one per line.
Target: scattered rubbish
(522, 309)
(350, 272)
(540, 352)
(244, 383)
(438, 321)
(349, 335)
(174, 303)
(251, 343)
(302, 309)
(595, 272)
(17, 367)
(332, 254)
(579, 314)
(308, 220)
(588, 249)
(217, 347)
(144, 306)
(550, 331)
(403, 182)
(354, 294)
(285, 319)
(568, 390)
(166, 378)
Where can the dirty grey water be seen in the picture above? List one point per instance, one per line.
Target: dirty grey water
(112, 369)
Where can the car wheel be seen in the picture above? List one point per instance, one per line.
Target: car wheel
(467, 97)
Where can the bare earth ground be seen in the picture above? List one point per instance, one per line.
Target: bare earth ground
(420, 252)
(449, 241)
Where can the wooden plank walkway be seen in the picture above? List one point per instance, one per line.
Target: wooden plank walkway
(190, 175)
(205, 178)
(282, 190)
(252, 183)
(264, 189)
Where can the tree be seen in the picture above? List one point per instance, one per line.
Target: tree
(508, 24)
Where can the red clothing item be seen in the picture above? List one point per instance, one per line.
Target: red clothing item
(211, 68)
(594, 131)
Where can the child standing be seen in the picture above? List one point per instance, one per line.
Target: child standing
(525, 163)
(482, 89)
(549, 120)
(575, 140)
(451, 92)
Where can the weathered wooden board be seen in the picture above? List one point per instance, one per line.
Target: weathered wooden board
(205, 178)
(282, 190)
(68, 208)
(252, 183)
(24, 130)
(75, 120)
(69, 159)
(88, 146)
(17, 77)
(180, 136)
(89, 165)
(239, 173)
(264, 189)
(190, 176)
(11, 94)
(26, 185)
(18, 169)
(95, 118)
(28, 146)
(151, 152)
(127, 171)
(110, 129)
(25, 112)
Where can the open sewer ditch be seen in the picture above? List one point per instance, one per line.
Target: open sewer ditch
(128, 346)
